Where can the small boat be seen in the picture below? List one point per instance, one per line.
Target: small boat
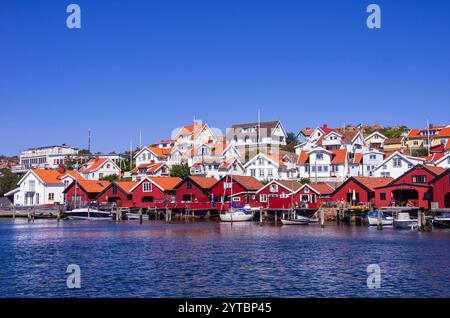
(372, 218)
(403, 221)
(441, 218)
(88, 214)
(243, 214)
(297, 220)
(314, 219)
(136, 216)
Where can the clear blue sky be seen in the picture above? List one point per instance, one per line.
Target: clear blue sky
(154, 65)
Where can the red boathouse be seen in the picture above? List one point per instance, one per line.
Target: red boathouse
(410, 189)
(240, 189)
(84, 191)
(441, 189)
(360, 188)
(118, 194)
(278, 194)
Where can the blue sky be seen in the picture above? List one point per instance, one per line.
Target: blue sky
(154, 65)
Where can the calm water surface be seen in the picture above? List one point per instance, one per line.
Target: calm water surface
(210, 259)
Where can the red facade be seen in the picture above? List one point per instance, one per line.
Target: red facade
(148, 195)
(410, 189)
(344, 192)
(115, 194)
(190, 191)
(241, 188)
(310, 198)
(441, 189)
(78, 191)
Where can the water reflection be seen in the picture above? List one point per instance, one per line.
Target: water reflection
(203, 259)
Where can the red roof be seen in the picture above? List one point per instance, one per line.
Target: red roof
(444, 132)
(292, 185)
(339, 156)
(249, 183)
(205, 183)
(374, 182)
(303, 157)
(322, 188)
(93, 164)
(358, 158)
(166, 183)
(126, 186)
(93, 186)
(434, 169)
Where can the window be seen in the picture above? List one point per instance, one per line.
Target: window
(188, 184)
(306, 190)
(147, 187)
(270, 173)
(382, 196)
(397, 163)
(108, 166)
(273, 187)
(307, 167)
(261, 172)
(384, 167)
(319, 156)
(66, 183)
(415, 142)
(236, 199)
(385, 174)
(263, 197)
(319, 169)
(227, 185)
(313, 168)
(31, 185)
(253, 172)
(372, 157)
(419, 179)
(51, 197)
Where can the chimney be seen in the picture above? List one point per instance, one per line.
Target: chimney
(61, 169)
(325, 126)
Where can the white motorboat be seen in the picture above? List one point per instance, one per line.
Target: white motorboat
(88, 214)
(297, 220)
(441, 218)
(403, 221)
(372, 218)
(236, 215)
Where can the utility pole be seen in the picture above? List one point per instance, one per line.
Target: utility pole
(89, 140)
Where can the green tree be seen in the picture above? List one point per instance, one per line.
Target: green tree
(394, 132)
(180, 171)
(8, 181)
(291, 142)
(304, 180)
(111, 178)
(420, 152)
(84, 152)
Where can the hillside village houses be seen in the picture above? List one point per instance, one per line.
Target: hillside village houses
(256, 150)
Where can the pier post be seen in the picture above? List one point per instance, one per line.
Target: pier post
(140, 216)
(322, 218)
(58, 214)
(379, 221)
(261, 216)
(29, 216)
(33, 215)
(420, 225)
(276, 217)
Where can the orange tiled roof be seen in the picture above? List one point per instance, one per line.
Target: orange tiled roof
(48, 176)
(447, 144)
(358, 158)
(444, 132)
(339, 156)
(322, 188)
(303, 157)
(374, 182)
(126, 185)
(434, 169)
(93, 186)
(205, 183)
(292, 185)
(94, 164)
(249, 183)
(166, 183)
(72, 173)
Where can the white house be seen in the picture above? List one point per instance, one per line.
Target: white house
(98, 168)
(269, 166)
(322, 165)
(363, 164)
(443, 162)
(151, 154)
(159, 169)
(375, 140)
(396, 165)
(265, 136)
(218, 167)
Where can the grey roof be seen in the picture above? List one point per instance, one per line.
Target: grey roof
(4, 202)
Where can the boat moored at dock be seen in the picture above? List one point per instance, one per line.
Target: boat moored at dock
(404, 221)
